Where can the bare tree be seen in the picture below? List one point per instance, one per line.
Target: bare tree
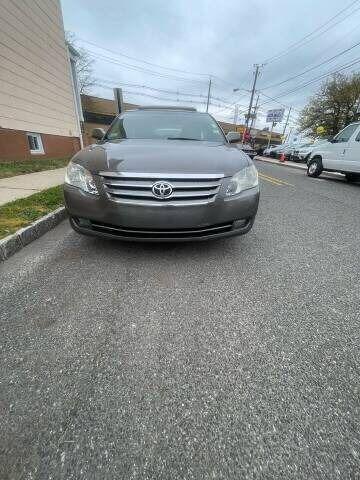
(84, 65)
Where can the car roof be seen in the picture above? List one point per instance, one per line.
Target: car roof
(167, 107)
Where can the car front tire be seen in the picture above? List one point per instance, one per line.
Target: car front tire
(315, 167)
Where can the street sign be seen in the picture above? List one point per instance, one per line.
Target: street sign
(275, 115)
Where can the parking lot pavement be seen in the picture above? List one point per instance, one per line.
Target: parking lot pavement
(230, 359)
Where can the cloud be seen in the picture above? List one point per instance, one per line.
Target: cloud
(223, 39)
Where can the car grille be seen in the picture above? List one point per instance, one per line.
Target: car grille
(159, 233)
(136, 188)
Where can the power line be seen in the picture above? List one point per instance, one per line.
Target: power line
(312, 68)
(186, 72)
(144, 70)
(128, 92)
(300, 43)
(329, 48)
(161, 90)
(142, 61)
(235, 103)
(274, 99)
(143, 94)
(137, 85)
(166, 75)
(315, 79)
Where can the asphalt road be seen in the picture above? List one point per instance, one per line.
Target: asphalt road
(236, 359)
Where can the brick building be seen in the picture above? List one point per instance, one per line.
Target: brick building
(100, 112)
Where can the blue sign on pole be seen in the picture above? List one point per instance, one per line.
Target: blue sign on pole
(275, 115)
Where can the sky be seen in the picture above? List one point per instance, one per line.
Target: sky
(169, 49)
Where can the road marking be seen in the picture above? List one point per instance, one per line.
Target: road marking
(270, 181)
(276, 181)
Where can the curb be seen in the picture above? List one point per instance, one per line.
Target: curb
(18, 240)
(281, 164)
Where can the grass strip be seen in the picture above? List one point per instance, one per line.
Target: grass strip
(12, 168)
(20, 213)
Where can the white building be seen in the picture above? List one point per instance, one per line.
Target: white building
(39, 113)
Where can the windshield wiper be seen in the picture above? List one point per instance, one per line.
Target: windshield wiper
(182, 138)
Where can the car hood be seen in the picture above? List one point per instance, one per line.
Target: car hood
(163, 156)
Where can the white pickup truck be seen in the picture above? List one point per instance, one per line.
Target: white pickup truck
(341, 154)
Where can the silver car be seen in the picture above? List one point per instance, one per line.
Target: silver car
(162, 174)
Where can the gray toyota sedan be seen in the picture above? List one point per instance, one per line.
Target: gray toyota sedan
(162, 174)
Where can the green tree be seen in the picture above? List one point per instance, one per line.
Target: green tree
(333, 106)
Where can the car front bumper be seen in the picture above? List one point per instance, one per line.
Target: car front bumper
(98, 215)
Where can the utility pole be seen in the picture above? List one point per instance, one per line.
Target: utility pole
(257, 66)
(289, 134)
(208, 96)
(119, 103)
(236, 115)
(287, 120)
(254, 114)
(271, 131)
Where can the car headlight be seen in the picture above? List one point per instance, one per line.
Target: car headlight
(79, 177)
(243, 180)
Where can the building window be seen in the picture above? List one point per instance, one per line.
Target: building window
(35, 143)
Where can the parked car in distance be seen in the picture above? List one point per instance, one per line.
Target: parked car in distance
(267, 150)
(341, 154)
(248, 149)
(142, 183)
(245, 147)
(302, 152)
(284, 148)
(287, 150)
(273, 152)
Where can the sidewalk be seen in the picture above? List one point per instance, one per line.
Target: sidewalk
(300, 166)
(22, 186)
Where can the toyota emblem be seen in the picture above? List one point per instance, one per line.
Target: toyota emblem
(162, 190)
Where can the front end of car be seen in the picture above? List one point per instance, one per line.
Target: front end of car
(149, 206)
(304, 154)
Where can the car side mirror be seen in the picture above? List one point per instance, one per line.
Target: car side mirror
(233, 137)
(98, 133)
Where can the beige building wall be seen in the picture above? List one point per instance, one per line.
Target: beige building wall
(36, 91)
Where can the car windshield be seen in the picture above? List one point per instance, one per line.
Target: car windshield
(166, 125)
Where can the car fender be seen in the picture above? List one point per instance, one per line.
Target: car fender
(317, 154)
(324, 153)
